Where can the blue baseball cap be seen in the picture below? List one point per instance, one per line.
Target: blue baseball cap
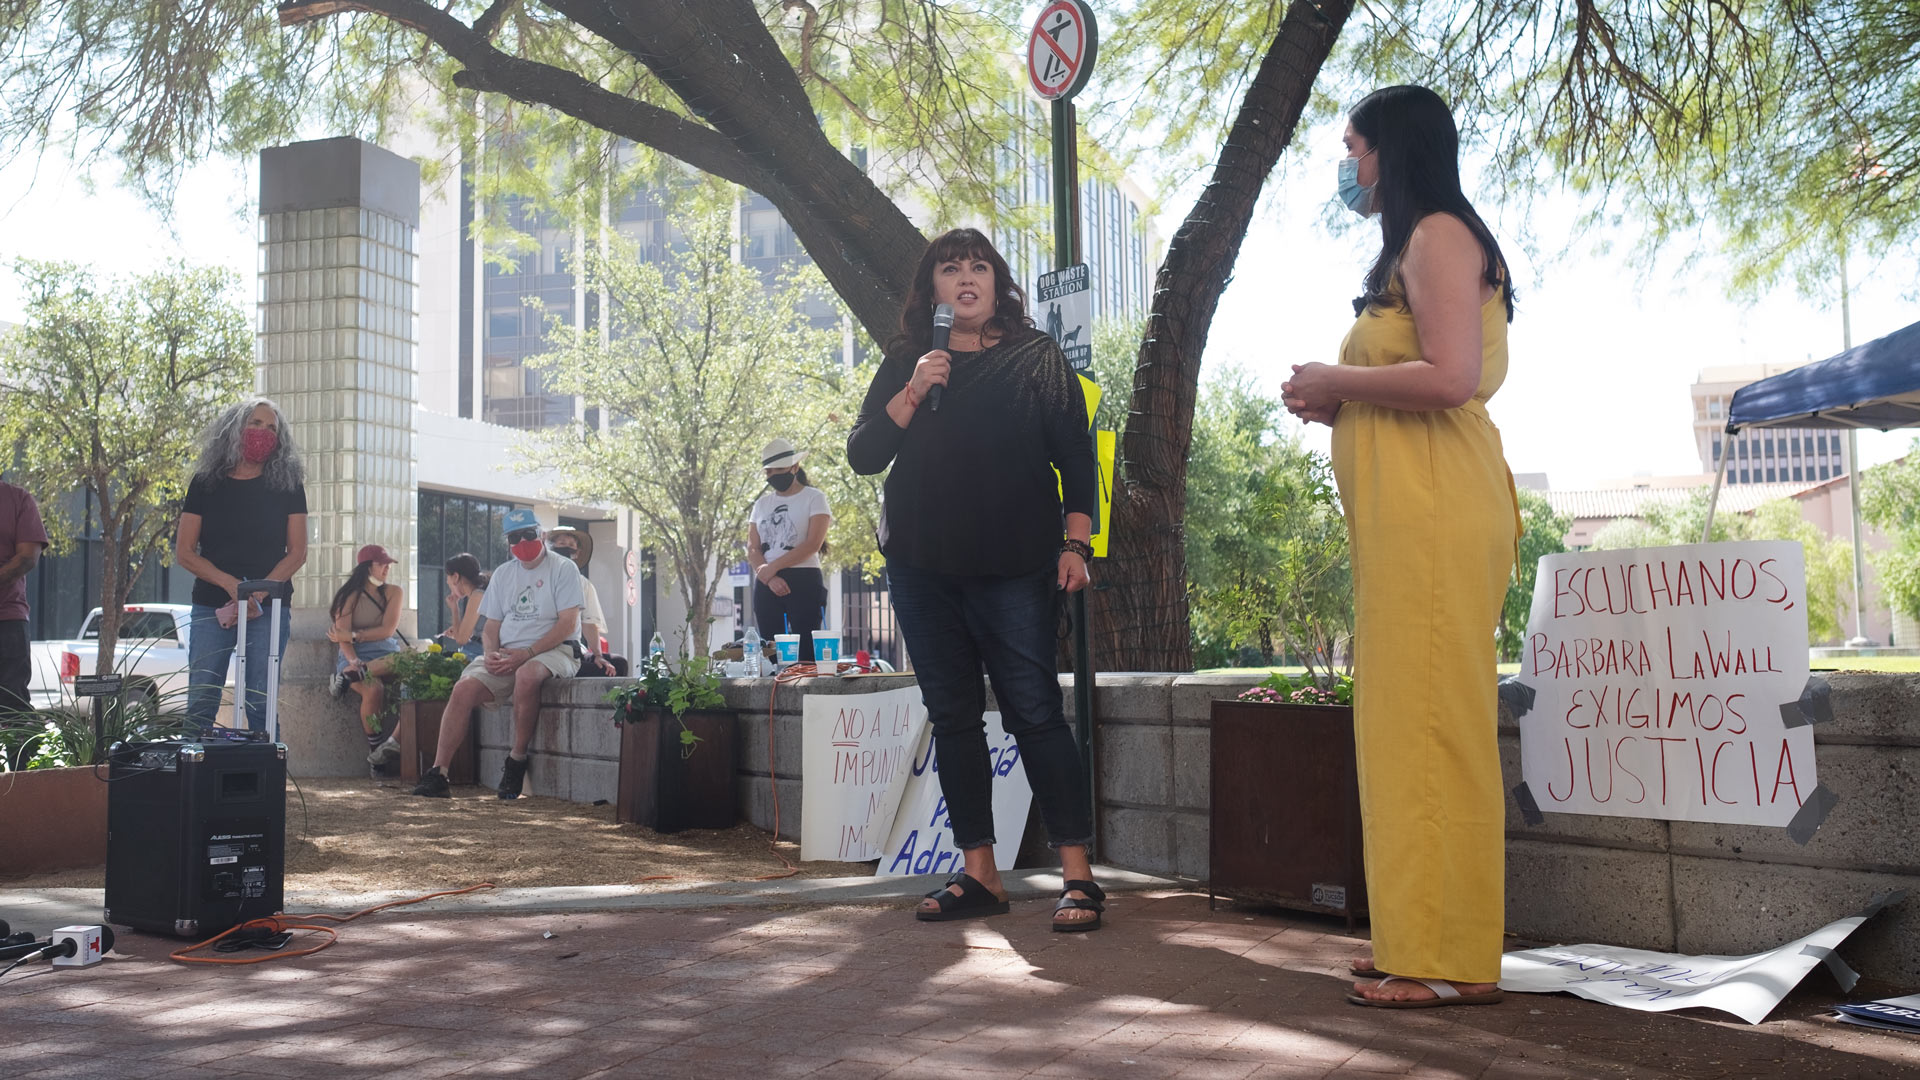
(515, 520)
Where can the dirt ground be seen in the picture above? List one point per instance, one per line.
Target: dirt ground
(368, 836)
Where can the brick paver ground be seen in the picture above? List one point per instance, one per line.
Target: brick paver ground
(1169, 989)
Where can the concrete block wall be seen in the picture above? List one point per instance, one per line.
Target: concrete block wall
(1687, 887)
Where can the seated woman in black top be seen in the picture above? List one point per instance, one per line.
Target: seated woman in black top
(972, 530)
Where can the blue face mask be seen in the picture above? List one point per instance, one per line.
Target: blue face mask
(1358, 199)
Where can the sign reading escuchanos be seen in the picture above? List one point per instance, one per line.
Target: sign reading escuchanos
(1667, 683)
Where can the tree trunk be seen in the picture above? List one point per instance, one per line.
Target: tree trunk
(1139, 614)
(112, 591)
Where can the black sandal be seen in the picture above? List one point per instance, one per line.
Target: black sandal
(1095, 903)
(975, 901)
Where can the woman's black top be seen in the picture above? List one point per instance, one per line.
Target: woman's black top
(243, 528)
(973, 489)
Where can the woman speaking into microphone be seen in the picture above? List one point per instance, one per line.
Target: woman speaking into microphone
(981, 541)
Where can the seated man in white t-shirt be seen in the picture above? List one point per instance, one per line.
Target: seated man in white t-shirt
(532, 607)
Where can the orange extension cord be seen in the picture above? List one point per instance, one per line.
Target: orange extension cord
(280, 924)
(793, 673)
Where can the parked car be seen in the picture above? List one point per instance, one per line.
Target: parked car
(151, 653)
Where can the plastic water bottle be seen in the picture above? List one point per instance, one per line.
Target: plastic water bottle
(656, 647)
(750, 645)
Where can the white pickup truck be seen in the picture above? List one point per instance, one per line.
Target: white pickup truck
(151, 653)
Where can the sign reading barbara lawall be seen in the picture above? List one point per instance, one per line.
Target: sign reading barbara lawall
(1668, 683)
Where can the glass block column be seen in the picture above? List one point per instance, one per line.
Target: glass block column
(337, 307)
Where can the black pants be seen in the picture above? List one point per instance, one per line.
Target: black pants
(798, 612)
(954, 625)
(16, 667)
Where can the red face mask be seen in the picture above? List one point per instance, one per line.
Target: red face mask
(258, 444)
(528, 550)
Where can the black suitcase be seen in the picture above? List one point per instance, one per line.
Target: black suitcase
(196, 828)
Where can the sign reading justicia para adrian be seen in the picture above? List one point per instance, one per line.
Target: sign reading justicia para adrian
(1670, 683)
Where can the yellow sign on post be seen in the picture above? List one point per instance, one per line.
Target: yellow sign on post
(1106, 447)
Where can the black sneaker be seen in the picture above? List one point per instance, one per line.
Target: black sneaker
(337, 685)
(513, 777)
(434, 785)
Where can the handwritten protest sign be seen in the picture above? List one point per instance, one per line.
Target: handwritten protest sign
(1665, 683)
(1747, 986)
(921, 840)
(853, 747)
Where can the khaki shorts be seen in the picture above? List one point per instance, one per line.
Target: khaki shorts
(559, 660)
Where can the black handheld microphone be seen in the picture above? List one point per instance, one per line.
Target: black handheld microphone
(942, 331)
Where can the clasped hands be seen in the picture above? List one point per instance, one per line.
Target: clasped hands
(771, 578)
(1309, 394)
(506, 661)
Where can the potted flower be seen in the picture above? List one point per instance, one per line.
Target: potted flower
(1284, 826)
(424, 678)
(676, 748)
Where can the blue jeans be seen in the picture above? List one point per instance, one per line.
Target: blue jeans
(210, 650)
(953, 625)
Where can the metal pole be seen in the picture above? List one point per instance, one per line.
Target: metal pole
(1066, 252)
(1860, 639)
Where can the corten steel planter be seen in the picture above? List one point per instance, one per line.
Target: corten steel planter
(52, 819)
(418, 727)
(1284, 822)
(666, 791)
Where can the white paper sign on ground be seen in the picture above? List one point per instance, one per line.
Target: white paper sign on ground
(921, 841)
(1659, 677)
(1747, 986)
(852, 749)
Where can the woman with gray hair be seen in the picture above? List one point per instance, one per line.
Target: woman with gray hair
(244, 519)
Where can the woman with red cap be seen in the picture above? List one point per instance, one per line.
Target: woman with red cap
(366, 621)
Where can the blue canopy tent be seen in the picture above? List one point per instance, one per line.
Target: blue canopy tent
(1876, 385)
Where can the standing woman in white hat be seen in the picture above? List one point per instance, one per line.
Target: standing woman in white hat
(786, 535)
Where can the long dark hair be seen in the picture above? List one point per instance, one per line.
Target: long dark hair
(959, 245)
(1417, 152)
(467, 568)
(356, 581)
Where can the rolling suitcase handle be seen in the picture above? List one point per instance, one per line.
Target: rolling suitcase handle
(278, 593)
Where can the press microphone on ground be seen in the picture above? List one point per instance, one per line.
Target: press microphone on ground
(66, 942)
(942, 330)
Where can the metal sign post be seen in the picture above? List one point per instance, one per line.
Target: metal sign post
(1060, 53)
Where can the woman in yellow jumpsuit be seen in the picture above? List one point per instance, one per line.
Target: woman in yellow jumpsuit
(1434, 524)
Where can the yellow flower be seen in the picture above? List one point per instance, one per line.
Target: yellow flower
(460, 656)
(435, 647)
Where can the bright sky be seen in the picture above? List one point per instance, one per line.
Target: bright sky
(1601, 356)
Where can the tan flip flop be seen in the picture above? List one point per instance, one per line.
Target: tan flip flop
(1445, 994)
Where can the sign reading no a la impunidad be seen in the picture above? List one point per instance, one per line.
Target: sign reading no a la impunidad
(1666, 684)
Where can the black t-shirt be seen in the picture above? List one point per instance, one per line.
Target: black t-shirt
(972, 489)
(243, 528)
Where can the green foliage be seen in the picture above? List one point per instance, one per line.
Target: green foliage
(106, 387)
(64, 737)
(1280, 688)
(694, 686)
(1543, 532)
(1267, 557)
(422, 675)
(702, 364)
(1829, 560)
(1890, 501)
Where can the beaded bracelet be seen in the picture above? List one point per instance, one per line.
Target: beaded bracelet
(1078, 547)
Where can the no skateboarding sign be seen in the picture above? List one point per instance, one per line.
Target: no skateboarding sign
(1061, 48)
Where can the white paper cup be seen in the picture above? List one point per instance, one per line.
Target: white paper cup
(826, 647)
(787, 648)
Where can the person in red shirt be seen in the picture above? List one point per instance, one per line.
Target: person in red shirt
(22, 538)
